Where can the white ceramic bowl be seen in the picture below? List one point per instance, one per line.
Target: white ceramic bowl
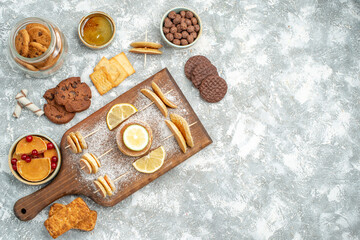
(177, 10)
(51, 176)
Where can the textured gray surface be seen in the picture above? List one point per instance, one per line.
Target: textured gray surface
(285, 159)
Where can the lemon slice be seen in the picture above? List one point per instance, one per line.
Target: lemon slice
(118, 113)
(136, 137)
(151, 162)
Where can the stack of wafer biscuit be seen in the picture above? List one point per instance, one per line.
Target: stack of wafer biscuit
(110, 73)
(75, 215)
(105, 185)
(146, 48)
(76, 142)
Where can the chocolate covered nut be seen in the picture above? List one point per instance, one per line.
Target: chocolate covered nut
(176, 42)
(178, 28)
(194, 21)
(166, 30)
(178, 35)
(183, 26)
(197, 28)
(194, 34)
(189, 14)
(190, 39)
(184, 42)
(173, 29)
(182, 13)
(188, 22)
(170, 36)
(185, 34)
(190, 29)
(177, 19)
(172, 14)
(168, 23)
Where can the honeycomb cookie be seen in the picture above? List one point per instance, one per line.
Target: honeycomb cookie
(213, 88)
(40, 35)
(201, 71)
(36, 49)
(73, 94)
(22, 41)
(192, 63)
(55, 112)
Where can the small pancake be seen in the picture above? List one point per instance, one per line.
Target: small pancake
(85, 166)
(91, 161)
(120, 142)
(153, 97)
(81, 140)
(105, 185)
(96, 159)
(100, 187)
(162, 96)
(110, 182)
(76, 141)
(178, 136)
(71, 144)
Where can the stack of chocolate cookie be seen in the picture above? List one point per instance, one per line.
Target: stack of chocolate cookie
(67, 98)
(205, 77)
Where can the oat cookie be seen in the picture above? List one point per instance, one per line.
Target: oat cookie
(40, 35)
(22, 41)
(36, 49)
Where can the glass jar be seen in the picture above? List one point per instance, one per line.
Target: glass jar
(48, 62)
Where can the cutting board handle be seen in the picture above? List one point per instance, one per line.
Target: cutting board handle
(28, 207)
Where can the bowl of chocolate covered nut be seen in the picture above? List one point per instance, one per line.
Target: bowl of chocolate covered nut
(180, 27)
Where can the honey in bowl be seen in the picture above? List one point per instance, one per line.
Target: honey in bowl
(97, 30)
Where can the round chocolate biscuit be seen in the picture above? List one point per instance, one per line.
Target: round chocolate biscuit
(73, 94)
(213, 88)
(192, 63)
(201, 71)
(55, 112)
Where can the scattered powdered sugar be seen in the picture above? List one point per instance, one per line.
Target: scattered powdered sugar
(114, 163)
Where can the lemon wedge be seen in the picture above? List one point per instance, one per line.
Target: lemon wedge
(118, 113)
(151, 162)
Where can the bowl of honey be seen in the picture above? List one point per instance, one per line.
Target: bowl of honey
(96, 30)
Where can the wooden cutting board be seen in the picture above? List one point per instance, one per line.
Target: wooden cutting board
(72, 180)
